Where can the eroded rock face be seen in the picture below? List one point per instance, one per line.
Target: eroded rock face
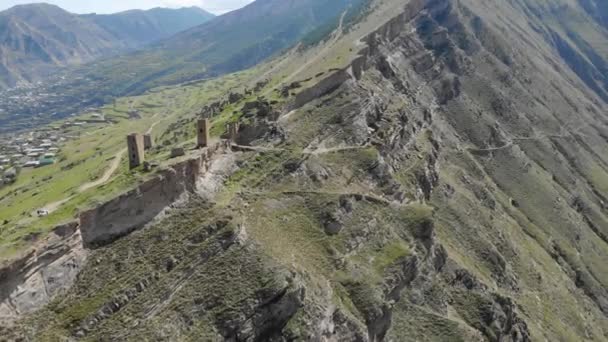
(31, 282)
(336, 214)
(137, 207)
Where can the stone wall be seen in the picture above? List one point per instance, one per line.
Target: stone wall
(33, 280)
(134, 209)
(324, 87)
(387, 32)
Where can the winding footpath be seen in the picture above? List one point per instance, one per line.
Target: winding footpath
(513, 141)
(107, 174)
(113, 166)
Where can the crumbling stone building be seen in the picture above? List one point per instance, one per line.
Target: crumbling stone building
(147, 141)
(135, 145)
(233, 132)
(203, 133)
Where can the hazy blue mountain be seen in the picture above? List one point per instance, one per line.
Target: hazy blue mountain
(228, 43)
(138, 27)
(234, 41)
(36, 39)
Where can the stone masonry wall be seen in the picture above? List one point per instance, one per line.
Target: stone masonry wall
(134, 209)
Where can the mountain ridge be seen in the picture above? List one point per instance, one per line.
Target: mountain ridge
(37, 39)
(221, 46)
(437, 173)
(229, 43)
(146, 26)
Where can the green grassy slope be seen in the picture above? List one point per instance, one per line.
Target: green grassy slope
(37, 39)
(88, 155)
(229, 43)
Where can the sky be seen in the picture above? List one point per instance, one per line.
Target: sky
(112, 6)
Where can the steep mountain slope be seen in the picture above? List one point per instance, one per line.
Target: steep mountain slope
(231, 42)
(576, 31)
(37, 38)
(597, 9)
(438, 172)
(234, 41)
(137, 28)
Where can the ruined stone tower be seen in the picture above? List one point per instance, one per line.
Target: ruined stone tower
(147, 141)
(203, 133)
(233, 132)
(135, 145)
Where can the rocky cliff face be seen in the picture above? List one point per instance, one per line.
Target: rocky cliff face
(31, 282)
(51, 268)
(447, 183)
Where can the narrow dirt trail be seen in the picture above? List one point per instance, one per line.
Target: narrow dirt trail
(318, 151)
(542, 136)
(49, 208)
(256, 148)
(366, 195)
(107, 174)
(149, 131)
(491, 149)
(326, 150)
(113, 166)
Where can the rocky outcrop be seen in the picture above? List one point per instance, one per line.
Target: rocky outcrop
(271, 311)
(32, 281)
(51, 268)
(258, 123)
(359, 64)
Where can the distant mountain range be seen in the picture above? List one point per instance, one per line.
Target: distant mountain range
(231, 42)
(228, 43)
(36, 39)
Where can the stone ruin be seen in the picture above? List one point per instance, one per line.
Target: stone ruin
(202, 133)
(147, 141)
(178, 152)
(233, 132)
(135, 146)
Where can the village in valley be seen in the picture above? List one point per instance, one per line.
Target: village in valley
(38, 148)
(25, 150)
(30, 105)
